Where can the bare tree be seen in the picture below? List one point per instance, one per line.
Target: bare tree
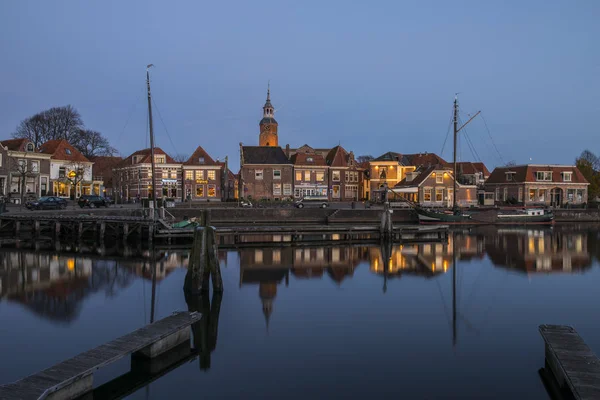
(364, 158)
(24, 169)
(511, 163)
(181, 157)
(590, 158)
(91, 143)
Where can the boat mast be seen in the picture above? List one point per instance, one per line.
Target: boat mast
(454, 194)
(454, 289)
(151, 140)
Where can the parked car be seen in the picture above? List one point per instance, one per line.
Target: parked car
(245, 203)
(47, 203)
(92, 201)
(313, 201)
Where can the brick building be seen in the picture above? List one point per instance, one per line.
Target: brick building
(265, 173)
(20, 159)
(133, 176)
(530, 184)
(346, 177)
(433, 186)
(103, 171)
(203, 177)
(311, 174)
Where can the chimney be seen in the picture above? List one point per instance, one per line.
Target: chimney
(287, 150)
(410, 176)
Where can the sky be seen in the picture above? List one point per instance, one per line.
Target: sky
(373, 76)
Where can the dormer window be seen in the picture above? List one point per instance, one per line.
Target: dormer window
(309, 159)
(68, 152)
(510, 176)
(201, 160)
(30, 147)
(545, 176)
(567, 176)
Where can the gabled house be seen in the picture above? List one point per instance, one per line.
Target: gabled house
(472, 173)
(433, 186)
(70, 171)
(310, 174)
(203, 177)
(133, 176)
(532, 184)
(345, 175)
(265, 173)
(24, 171)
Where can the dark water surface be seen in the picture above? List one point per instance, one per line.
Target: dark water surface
(322, 322)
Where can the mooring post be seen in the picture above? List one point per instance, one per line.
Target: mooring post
(102, 230)
(56, 230)
(36, 228)
(125, 232)
(17, 228)
(79, 231)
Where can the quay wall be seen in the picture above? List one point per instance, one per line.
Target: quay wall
(577, 215)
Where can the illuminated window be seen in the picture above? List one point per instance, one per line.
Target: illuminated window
(335, 176)
(189, 175)
(320, 176)
(336, 191)
(200, 174)
(532, 194)
(212, 175)
(426, 194)
(199, 190)
(212, 190)
(307, 176)
(298, 175)
(439, 194)
(439, 178)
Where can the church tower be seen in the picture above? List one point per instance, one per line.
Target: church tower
(268, 125)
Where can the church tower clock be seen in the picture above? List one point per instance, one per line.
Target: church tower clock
(268, 125)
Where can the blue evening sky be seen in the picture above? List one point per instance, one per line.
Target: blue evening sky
(375, 76)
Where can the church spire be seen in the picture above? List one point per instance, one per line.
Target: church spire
(268, 111)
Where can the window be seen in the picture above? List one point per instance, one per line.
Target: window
(351, 191)
(173, 174)
(149, 173)
(497, 194)
(544, 176)
(320, 176)
(509, 176)
(579, 195)
(201, 160)
(258, 174)
(189, 175)
(439, 177)
(307, 176)
(335, 176)
(520, 194)
(212, 175)
(277, 189)
(199, 190)
(382, 173)
(347, 176)
(0, 159)
(62, 172)
(68, 151)
(309, 159)
(567, 176)
(276, 174)
(35, 166)
(287, 189)
(212, 190)
(439, 194)
(200, 174)
(542, 195)
(505, 194)
(298, 175)
(159, 159)
(426, 194)
(30, 147)
(532, 194)
(336, 190)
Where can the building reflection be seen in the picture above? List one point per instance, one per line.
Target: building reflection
(539, 250)
(270, 267)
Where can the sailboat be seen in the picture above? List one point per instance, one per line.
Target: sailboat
(457, 216)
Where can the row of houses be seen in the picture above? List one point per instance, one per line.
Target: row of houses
(55, 168)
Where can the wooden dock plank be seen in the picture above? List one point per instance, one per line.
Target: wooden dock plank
(572, 361)
(60, 375)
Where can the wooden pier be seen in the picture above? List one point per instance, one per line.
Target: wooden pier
(571, 362)
(74, 377)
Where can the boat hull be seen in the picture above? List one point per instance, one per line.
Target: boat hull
(427, 217)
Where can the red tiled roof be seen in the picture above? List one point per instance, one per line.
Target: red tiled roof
(146, 159)
(527, 173)
(424, 173)
(424, 159)
(338, 157)
(471, 168)
(200, 153)
(303, 159)
(62, 150)
(15, 144)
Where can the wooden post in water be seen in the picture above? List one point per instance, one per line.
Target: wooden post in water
(204, 261)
